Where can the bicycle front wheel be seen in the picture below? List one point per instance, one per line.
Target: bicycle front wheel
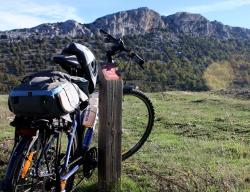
(137, 121)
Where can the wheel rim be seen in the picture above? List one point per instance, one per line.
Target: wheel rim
(45, 178)
(137, 121)
(32, 182)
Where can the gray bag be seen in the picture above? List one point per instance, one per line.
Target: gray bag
(81, 82)
(42, 96)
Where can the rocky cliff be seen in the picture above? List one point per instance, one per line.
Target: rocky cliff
(133, 22)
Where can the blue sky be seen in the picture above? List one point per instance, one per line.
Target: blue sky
(29, 13)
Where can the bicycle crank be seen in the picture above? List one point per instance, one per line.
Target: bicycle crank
(90, 162)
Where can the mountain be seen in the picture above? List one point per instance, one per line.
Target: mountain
(137, 21)
(182, 51)
(132, 22)
(61, 29)
(197, 25)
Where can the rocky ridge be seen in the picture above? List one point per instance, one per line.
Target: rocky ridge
(133, 22)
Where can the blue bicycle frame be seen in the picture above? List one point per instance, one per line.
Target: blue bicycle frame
(68, 169)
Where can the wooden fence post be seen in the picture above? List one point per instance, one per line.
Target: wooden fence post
(110, 130)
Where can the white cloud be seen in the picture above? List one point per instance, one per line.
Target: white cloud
(224, 5)
(21, 14)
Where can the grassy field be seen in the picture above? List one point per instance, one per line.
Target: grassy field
(6, 134)
(200, 142)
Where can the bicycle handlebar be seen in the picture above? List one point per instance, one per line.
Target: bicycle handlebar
(118, 47)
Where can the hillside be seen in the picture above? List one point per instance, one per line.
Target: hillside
(178, 49)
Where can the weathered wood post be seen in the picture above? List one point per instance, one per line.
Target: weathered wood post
(110, 129)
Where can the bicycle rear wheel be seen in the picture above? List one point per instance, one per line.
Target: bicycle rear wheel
(137, 121)
(21, 169)
(39, 158)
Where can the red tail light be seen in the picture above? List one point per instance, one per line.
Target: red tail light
(26, 132)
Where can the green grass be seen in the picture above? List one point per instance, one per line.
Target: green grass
(200, 142)
(6, 134)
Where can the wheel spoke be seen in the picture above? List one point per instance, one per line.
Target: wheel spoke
(41, 171)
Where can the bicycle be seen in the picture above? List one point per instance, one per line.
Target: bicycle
(48, 152)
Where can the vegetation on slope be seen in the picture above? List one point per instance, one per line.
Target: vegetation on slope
(175, 62)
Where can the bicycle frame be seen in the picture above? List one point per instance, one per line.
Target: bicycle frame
(68, 169)
(77, 122)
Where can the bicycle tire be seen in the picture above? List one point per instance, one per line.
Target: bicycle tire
(150, 122)
(16, 163)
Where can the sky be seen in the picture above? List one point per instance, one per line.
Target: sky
(29, 13)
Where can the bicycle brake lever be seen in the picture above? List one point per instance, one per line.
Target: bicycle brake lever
(108, 38)
(137, 59)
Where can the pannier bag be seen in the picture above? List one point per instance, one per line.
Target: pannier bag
(80, 81)
(43, 96)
